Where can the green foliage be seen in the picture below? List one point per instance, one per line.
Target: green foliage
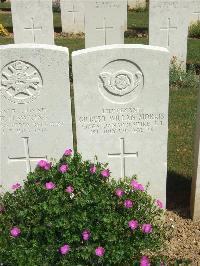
(194, 30)
(179, 78)
(48, 219)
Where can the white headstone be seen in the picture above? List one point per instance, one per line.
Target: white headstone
(135, 4)
(72, 16)
(121, 98)
(195, 192)
(105, 22)
(35, 111)
(195, 10)
(168, 26)
(32, 21)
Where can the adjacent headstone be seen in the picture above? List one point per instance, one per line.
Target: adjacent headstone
(195, 10)
(195, 192)
(105, 22)
(136, 4)
(122, 110)
(35, 111)
(168, 27)
(72, 16)
(32, 21)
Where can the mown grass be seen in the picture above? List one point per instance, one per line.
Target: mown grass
(182, 123)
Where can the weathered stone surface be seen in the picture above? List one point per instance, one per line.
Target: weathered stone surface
(73, 16)
(32, 21)
(135, 4)
(122, 110)
(105, 22)
(195, 10)
(195, 192)
(168, 26)
(35, 111)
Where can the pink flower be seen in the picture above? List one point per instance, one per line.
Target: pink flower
(159, 203)
(64, 249)
(68, 152)
(93, 169)
(15, 232)
(119, 192)
(44, 164)
(16, 186)
(99, 251)
(147, 228)
(50, 185)
(140, 187)
(63, 168)
(86, 235)
(105, 173)
(128, 203)
(69, 189)
(135, 185)
(144, 261)
(133, 224)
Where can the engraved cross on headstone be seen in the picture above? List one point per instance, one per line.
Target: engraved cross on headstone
(33, 29)
(105, 28)
(27, 158)
(122, 155)
(197, 13)
(73, 11)
(168, 28)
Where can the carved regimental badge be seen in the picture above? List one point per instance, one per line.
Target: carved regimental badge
(21, 82)
(121, 81)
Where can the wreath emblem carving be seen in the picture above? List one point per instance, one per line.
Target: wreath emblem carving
(21, 82)
(121, 82)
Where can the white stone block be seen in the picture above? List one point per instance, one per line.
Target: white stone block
(35, 111)
(105, 22)
(195, 10)
(168, 26)
(195, 192)
(121, 98)
(72, 16)
(32, 21)
(135, 4)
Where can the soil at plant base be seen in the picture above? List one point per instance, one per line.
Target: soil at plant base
(184, 237)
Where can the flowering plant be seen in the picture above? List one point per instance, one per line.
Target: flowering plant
(73, 213)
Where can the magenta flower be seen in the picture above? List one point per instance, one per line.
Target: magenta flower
(44, 164)
(69, 189)
(134, 184)
(119, 192)
(99, 251)
(159, 203)
(15, 232)
(68, 152)
(50, 185)
(137, 186)
(63, 168)
(133, 224)
(147, 228)
(64, 249)
(140, 187)
(144, 261)
(93, 169)
(128, 203)
(16, 186)
(86, 235)
(105, 173)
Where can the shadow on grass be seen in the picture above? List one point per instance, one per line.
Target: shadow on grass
(178, 193)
